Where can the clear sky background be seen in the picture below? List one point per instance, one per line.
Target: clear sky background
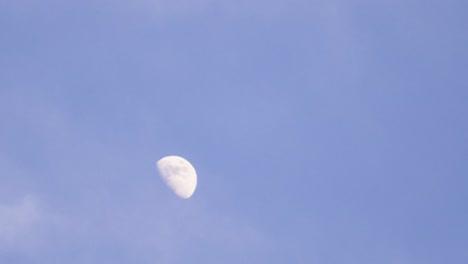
(322, 131)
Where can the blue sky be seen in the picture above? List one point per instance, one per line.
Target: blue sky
(322, 131)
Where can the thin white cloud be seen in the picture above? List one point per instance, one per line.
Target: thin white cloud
(18, 221)
(92, 218)
(165, 233)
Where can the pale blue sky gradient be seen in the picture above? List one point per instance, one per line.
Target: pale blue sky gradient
(322, 131)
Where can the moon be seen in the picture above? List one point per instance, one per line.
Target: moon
(179, 175)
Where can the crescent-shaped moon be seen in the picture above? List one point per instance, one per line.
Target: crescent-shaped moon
(179, 175)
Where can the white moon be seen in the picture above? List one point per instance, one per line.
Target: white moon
(178, 174)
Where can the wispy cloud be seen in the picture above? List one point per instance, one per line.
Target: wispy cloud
(99, 207)
(18, 222)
